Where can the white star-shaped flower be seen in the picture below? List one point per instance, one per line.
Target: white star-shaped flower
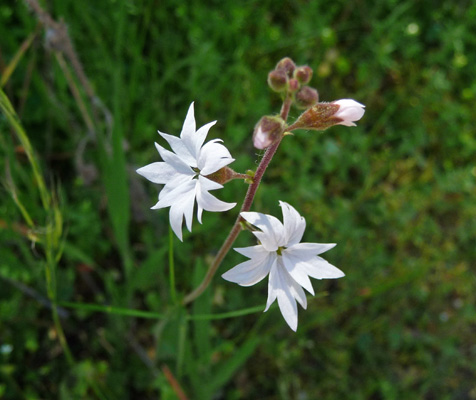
(288, 262)
(184, 173)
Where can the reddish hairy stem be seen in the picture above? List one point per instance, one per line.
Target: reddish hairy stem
(250, 194)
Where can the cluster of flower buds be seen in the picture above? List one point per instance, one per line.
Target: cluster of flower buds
(289, 79)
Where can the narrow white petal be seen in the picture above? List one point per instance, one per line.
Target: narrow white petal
(307, 250)
(188, 128)
(178, 146)
(273, 286)
(176, 194)
(199, 212)
(272, 230)
(252, 251)
(200, 137)
(187, 203)
(297, 292)
(174, 161)
(179, 180)
(294, 224)
(213, 156)
(210, 203)
(319, 268)
(176, 218)
(208, 184)
(158, 172)
(292, 265)
(286, 301)
(188, 134)
(250, 272)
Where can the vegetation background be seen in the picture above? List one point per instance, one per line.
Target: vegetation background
(397, 193)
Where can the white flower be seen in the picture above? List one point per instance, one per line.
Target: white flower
(349, 111)
(184, 173)
(288, 262)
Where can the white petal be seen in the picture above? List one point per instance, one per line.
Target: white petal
(199, 212)
(176, 194)
(297, 292)
(186, 203)
(158, 172)
(281, 290)
(200, 137)
(319, 268)
(294, 224)
(250, 272)
(176, 219)
(292, 265)
(178, 146)
(272, 286)
(308, 250)
(213, 156)
(253, 251)
(208, 184)
(174, 161)
(189, 127)
(272, 230)
(210, 203)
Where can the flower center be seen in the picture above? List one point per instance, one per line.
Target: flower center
(197, 172)
(280, 250)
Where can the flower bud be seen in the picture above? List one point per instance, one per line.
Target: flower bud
(293, 85)
(223, 175)
(277, 80)
(303, 74)
(306, 97)
(287, 65)
(267, 130)
(324, 115)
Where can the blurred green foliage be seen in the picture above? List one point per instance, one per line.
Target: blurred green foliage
(396, 193)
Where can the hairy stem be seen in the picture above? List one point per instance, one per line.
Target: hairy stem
(250, 194)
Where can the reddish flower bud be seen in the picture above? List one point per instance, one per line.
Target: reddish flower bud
(223, 175)
(267, 130)
(303, 74)
(306, 97)
(277, 80)
(287, 65)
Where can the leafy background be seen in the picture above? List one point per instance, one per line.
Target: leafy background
(396, 193)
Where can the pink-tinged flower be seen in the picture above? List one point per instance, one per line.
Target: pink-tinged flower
(288, 263)
(349, 111)
(267, 131)
(324, 115)
(184, 173)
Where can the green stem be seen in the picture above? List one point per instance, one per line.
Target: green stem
(250, 194)
(173, 292)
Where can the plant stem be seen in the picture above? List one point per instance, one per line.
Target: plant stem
(250, 194)
(173, 292)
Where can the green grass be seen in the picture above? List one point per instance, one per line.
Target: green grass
(81, 253)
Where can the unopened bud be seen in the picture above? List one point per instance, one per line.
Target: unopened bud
(223, 175)
(277, 80)
(293, 85)
(267, 130)
(303, 74)
(306, 97)
(287, 65)
(324, 115)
